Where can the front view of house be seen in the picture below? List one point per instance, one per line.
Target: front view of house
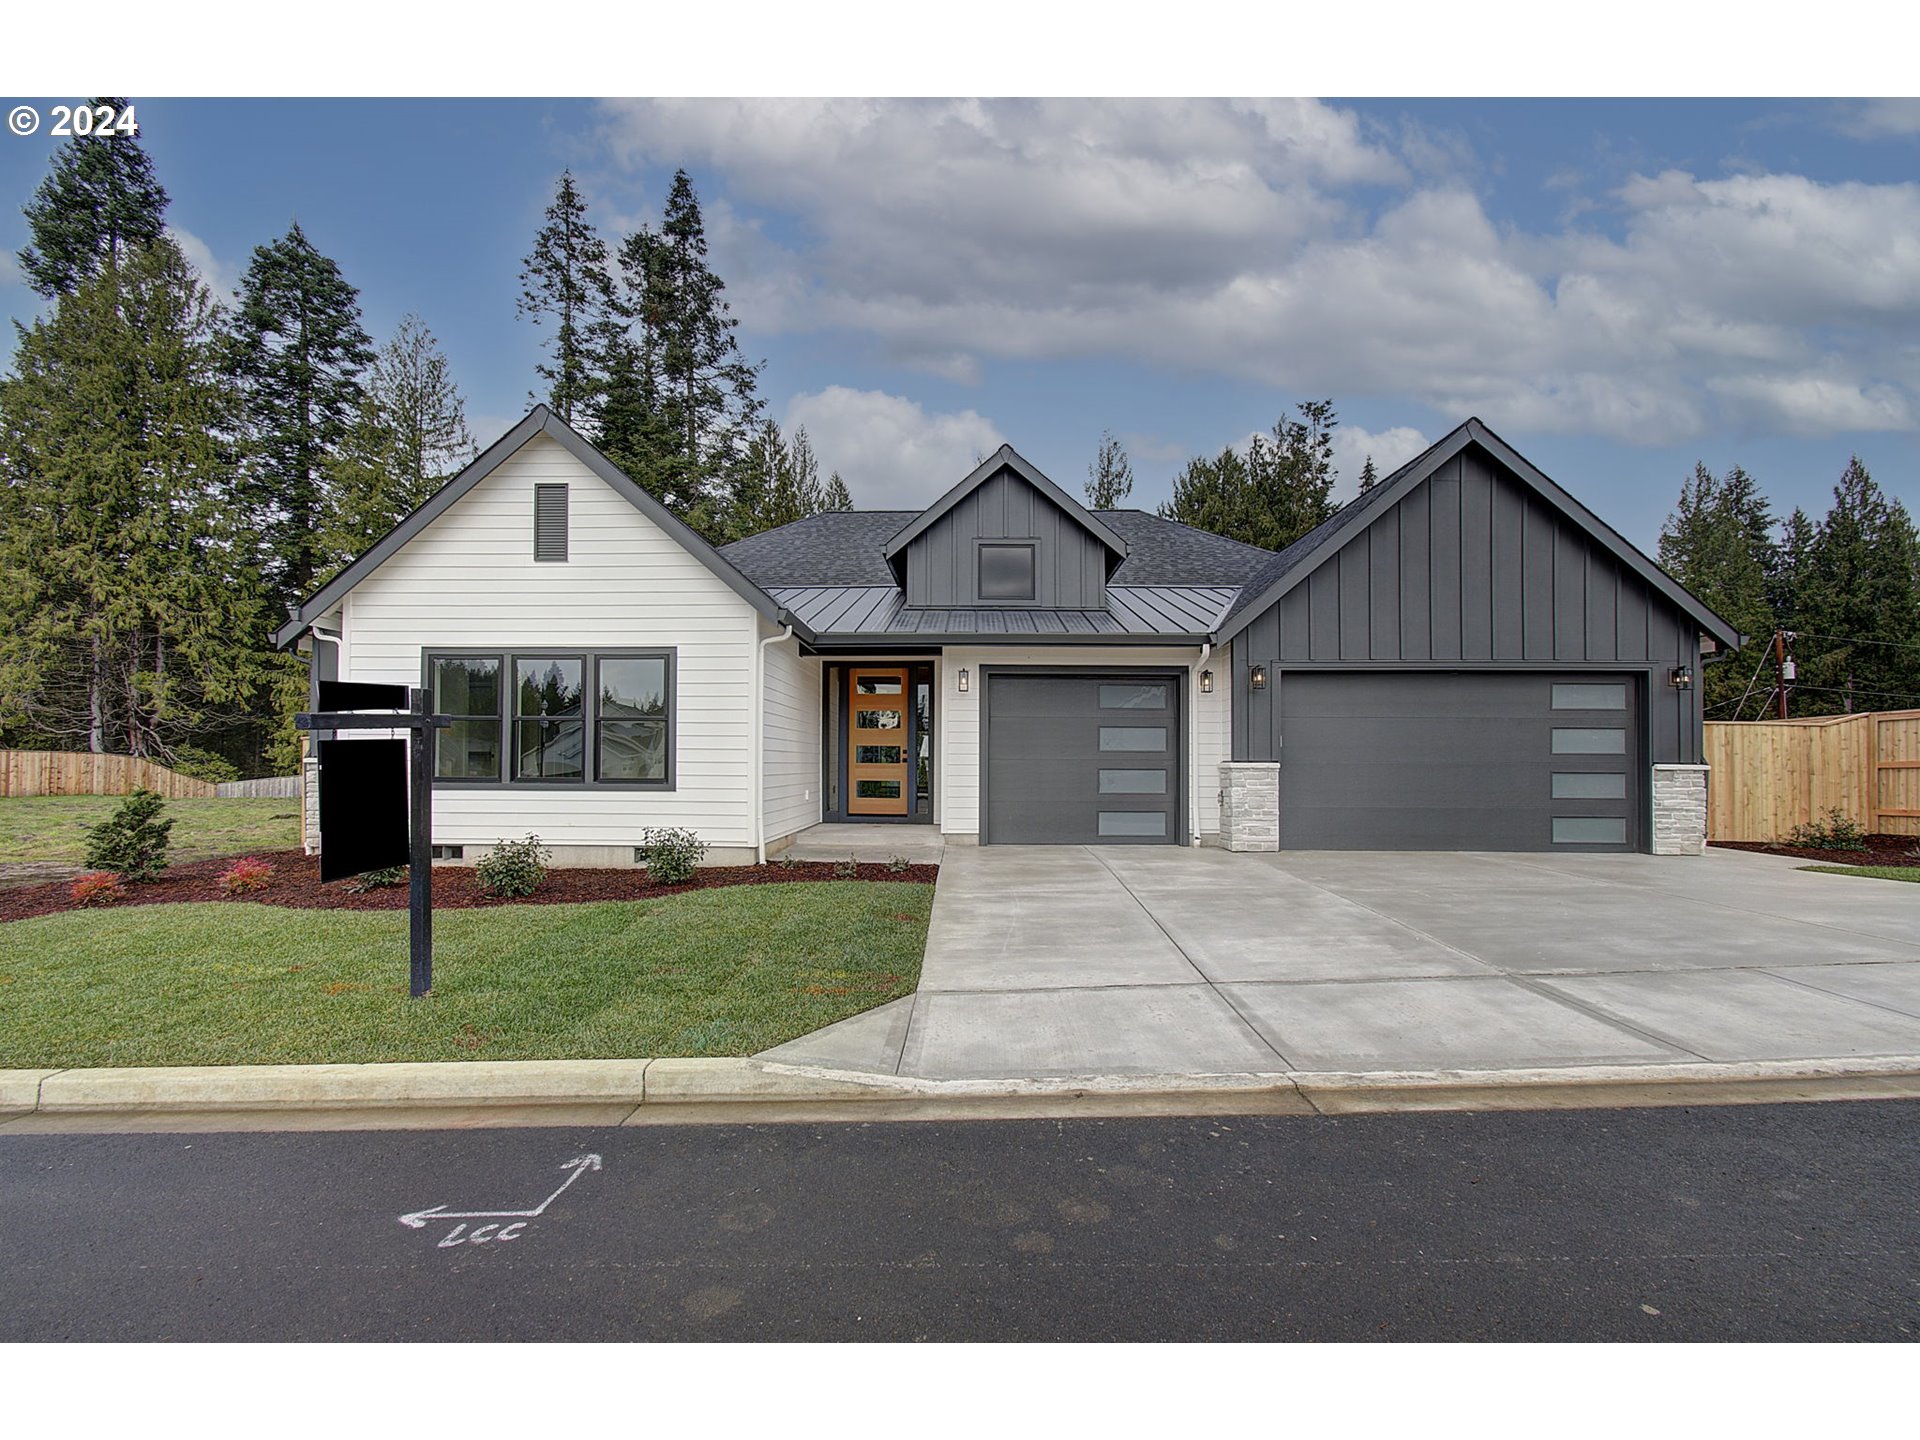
(1463, 658)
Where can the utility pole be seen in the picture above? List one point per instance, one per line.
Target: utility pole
(1783, 669)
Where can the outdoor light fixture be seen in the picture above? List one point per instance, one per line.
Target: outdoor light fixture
(1206, 682)
(1257, 677)
(966, 680)
(1681, 678)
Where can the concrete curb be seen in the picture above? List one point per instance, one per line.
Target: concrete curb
(767, 1090)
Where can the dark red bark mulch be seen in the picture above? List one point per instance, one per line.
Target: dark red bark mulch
(296, 884)
(1879, 850)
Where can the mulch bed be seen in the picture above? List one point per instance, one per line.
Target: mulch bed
(1879, 850)
(296, 885)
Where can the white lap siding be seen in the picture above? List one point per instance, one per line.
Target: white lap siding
(469, 581)
(1209, 726)
(791, 741)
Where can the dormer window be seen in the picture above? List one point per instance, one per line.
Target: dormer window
(1006, 570)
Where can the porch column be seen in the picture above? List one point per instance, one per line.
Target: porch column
(1250, 805)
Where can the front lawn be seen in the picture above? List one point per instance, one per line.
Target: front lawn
(710, 972)
(1870, 872)
(52, 828)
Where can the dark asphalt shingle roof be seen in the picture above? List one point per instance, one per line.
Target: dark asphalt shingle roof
(848, 547)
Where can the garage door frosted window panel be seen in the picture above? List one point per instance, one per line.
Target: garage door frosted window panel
(549, 723)
(1594, 785)
(1133, 782)
(1133, 697)
(631, 725)
(1133, 822)
(1575, 741)
(468, 689)
(1589, 695)
(1589, 830)
(1133, 737)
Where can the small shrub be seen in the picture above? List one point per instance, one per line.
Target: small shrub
(200, 764)
(847, 869)
(898, 864)
(131, 842)
(785, 860)
(382, 879)
(515, 868)
(102, 887)
(671, 855)
(1835, 832)
(246, 876)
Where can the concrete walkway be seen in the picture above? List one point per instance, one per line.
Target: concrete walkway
(1059, 962)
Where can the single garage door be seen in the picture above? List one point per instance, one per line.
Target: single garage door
(1460, 762)
(1082, 759)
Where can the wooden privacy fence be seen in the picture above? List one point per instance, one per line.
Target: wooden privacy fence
(56, 772)
(1767, 776)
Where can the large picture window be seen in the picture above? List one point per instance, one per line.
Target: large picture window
(555, 718)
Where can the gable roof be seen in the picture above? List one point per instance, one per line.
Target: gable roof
(1007, 458)
(539, 421)
(848, 547)
(1292, 565)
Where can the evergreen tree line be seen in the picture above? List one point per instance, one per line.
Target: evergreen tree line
(1846, 589)
(174, 472)
(641, 355)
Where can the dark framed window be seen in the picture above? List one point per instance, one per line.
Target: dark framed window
(555, 718)
(1007, 569)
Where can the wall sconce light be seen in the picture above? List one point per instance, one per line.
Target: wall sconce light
(1206, 682)
(1257, 677)
(966, 680)
(1681, 678)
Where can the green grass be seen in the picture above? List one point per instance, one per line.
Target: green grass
(53, 827)
(711, 972)
(1871, 872)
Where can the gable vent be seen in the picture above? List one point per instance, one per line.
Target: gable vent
(549, 522)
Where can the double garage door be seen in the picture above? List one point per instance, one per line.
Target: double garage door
(1523, 761)
(1082, 759)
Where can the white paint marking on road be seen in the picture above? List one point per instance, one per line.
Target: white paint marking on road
(483, 1234)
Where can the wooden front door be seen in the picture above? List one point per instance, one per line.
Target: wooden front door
(878, 761)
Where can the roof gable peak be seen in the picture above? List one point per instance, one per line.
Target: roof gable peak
(1009, 459)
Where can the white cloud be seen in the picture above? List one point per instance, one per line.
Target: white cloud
(1390, 449)
(1882, 119)
(10, 270)
(221, 278)
(890, 451)
(1293, 245)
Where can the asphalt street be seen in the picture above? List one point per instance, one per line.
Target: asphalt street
(1790, 1222)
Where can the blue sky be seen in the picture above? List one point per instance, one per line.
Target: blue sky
(1619, 288)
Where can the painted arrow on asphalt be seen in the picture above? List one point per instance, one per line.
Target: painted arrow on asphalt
(575, 1168)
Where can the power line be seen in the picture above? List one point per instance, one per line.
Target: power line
(1852, 640)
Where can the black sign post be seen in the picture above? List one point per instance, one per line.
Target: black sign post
(372, 810)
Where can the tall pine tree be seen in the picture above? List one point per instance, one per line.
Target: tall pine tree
(565, 285)
(131, 618)
(298, 351)
(1718, 542)
(100, 201)
(1278, 491)
(1857, 604)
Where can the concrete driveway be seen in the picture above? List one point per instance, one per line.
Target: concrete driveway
(1071, 961)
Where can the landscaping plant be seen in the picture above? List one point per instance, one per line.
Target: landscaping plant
(1835, 832)
(847, 869)
(514, 869)
(386, 878)
(898, 864)
(102, 887)
(671, 855)
(246, 876)
(131, 842)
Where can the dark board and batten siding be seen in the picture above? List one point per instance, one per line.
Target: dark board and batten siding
(1473, 568)
(1070, 565)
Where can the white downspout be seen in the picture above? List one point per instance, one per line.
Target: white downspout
(759, 765)
(1193, 751)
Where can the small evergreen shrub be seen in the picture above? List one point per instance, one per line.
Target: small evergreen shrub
(383, 879)
(898, 864)
(785, 860)
(671, 855)
(1835, 832)
(246, 876)
(515, 868)
(131, 842)
(191, 760)
(102, 887)
(847, 869)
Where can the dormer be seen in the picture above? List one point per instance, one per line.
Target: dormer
(1006, 537)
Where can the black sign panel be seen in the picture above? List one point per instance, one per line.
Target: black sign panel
(363, 804)
(361, 695)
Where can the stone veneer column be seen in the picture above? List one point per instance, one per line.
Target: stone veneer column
(310, 804)
(1249, 805)
(1679, 809)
